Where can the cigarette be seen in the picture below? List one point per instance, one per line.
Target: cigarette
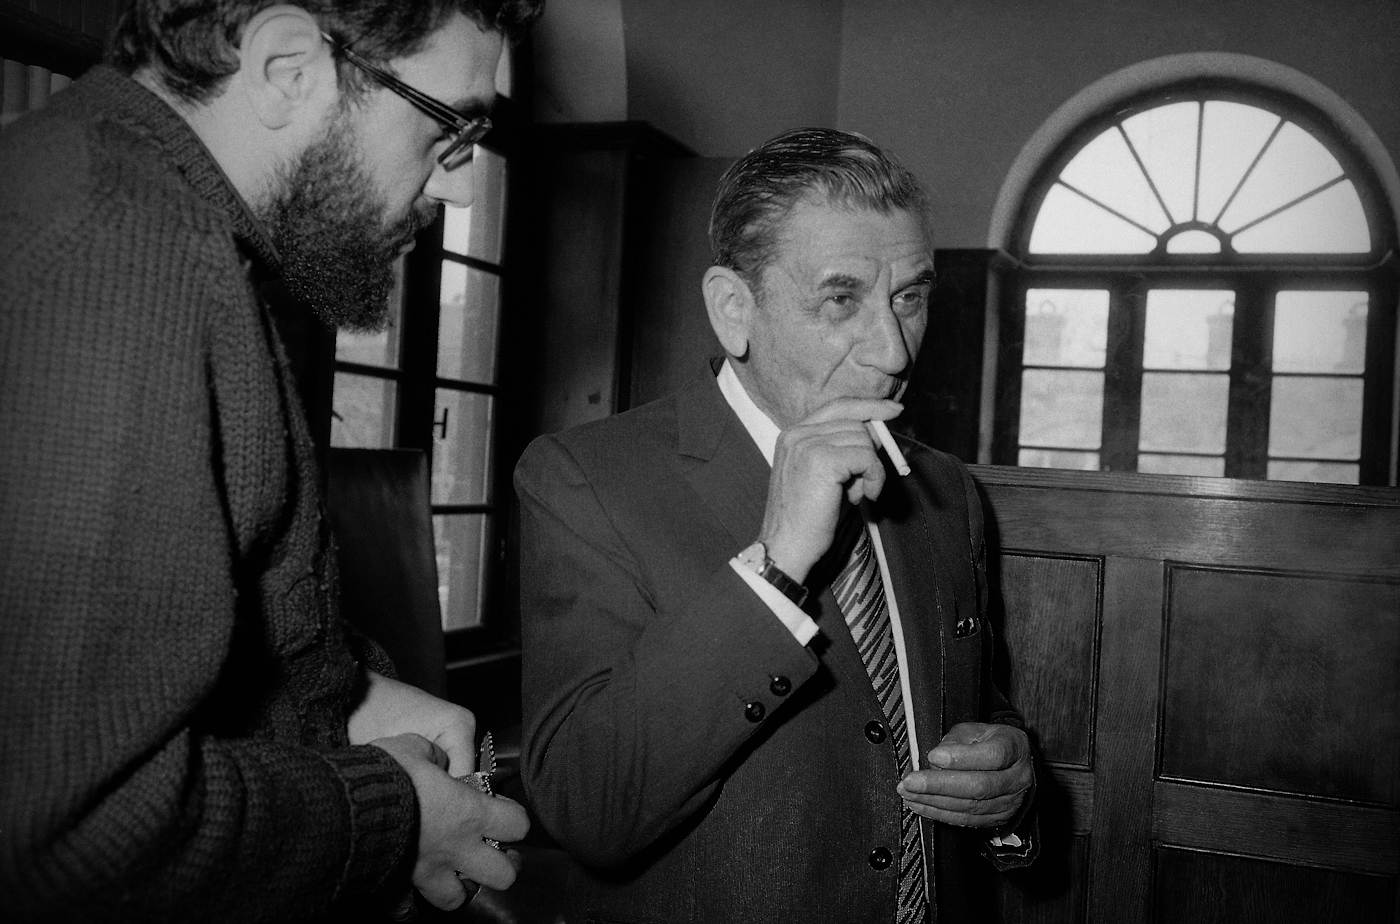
(882, 433)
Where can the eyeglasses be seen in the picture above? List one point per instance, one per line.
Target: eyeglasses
(464, 132)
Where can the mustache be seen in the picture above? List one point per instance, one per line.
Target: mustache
(407, 228)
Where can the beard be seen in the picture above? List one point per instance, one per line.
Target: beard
(330, 227)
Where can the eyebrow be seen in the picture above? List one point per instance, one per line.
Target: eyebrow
(842, 281)
(925, 278)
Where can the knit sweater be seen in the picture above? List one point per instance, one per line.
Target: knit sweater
(174, 675)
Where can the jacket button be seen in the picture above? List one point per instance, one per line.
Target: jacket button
(874, 731)
(880, 858)
(754, 712)
(781, 686)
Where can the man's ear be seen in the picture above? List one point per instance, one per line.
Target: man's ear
(730, 304)
(286, 66)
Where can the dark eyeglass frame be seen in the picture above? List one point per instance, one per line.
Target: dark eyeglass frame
(465, 132)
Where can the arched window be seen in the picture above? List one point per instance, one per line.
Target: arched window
(1204, 284)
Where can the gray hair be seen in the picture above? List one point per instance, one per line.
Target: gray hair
(760, 189)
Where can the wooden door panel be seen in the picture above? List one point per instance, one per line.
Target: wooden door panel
(1204, 888)
(1051, 640)
(1283, 682)
(1210, 668)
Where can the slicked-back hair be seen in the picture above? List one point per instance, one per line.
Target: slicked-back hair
(192, 45)
(759, 190)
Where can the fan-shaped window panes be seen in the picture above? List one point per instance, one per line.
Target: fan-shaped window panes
(1202, 177)
(1205, 285)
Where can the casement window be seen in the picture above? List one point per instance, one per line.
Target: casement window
(431, 380)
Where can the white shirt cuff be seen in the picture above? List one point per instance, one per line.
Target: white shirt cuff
(802, 626)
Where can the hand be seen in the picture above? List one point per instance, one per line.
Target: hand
(978, 777)
(391, 707)
(453, 819)
(818, 462)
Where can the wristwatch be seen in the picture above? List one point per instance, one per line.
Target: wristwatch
(756, 559)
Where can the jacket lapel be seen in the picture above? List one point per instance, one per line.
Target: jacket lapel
(913, 564)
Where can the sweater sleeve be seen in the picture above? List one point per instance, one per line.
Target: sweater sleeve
(139, 780)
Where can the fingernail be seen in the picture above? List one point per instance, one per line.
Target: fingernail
(940, 756)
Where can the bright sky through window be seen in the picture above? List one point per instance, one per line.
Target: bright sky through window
(1192, 177)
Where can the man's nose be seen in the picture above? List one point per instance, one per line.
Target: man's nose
(454, 187)
(885, 346)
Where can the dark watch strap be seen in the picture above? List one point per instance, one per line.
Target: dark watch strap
(755, 557)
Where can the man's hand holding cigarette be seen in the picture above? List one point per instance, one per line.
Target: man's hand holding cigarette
(827, 459)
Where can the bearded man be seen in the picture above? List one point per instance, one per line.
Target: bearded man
(187, 729)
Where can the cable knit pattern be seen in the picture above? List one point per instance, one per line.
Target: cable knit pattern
(174, 675)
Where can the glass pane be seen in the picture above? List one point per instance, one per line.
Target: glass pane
(457, 226)
(1232, 135)
(463, 543)
(1183, 412)
(1315, 418)
(1296, 163)
(469, 303)
(1330, 222)
(1106, 171)
(1061, 408)
(1165, 140)
(1054, 458)
(1066, 327)
(478, 230)
(1193, 240)
(1188, 329)
(1320, 332)
(1069, 223)
(382, 348)
(1214, 466)
(362, 412)
(1328, 472)
(462, 447)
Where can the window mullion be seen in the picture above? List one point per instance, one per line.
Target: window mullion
(1251, 380)
(417, 396)
(1122, 398)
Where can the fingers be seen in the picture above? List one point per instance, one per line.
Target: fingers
(458, 741)
(980, 746)
(451, 875)
(967, 814)
(970, 799)
(506, 820)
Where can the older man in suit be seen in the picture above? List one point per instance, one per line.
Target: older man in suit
(756, 658)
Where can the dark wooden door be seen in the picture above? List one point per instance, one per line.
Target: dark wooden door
(1210, 669)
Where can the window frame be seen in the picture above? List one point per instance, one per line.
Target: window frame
(1254, 278)
(417, 384)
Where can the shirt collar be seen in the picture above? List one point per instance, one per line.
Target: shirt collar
(760, 427)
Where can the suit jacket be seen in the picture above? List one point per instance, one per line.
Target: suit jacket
(697, 763)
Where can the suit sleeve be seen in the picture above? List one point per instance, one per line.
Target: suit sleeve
(633, 705)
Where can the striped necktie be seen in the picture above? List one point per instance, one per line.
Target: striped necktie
(861, 595)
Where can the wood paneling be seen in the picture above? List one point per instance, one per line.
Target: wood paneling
(672, 338)
(1283, 682)
(1242, 642)
(1208, 888)
(1283, 827)
(1051, 647)
(582, 211)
